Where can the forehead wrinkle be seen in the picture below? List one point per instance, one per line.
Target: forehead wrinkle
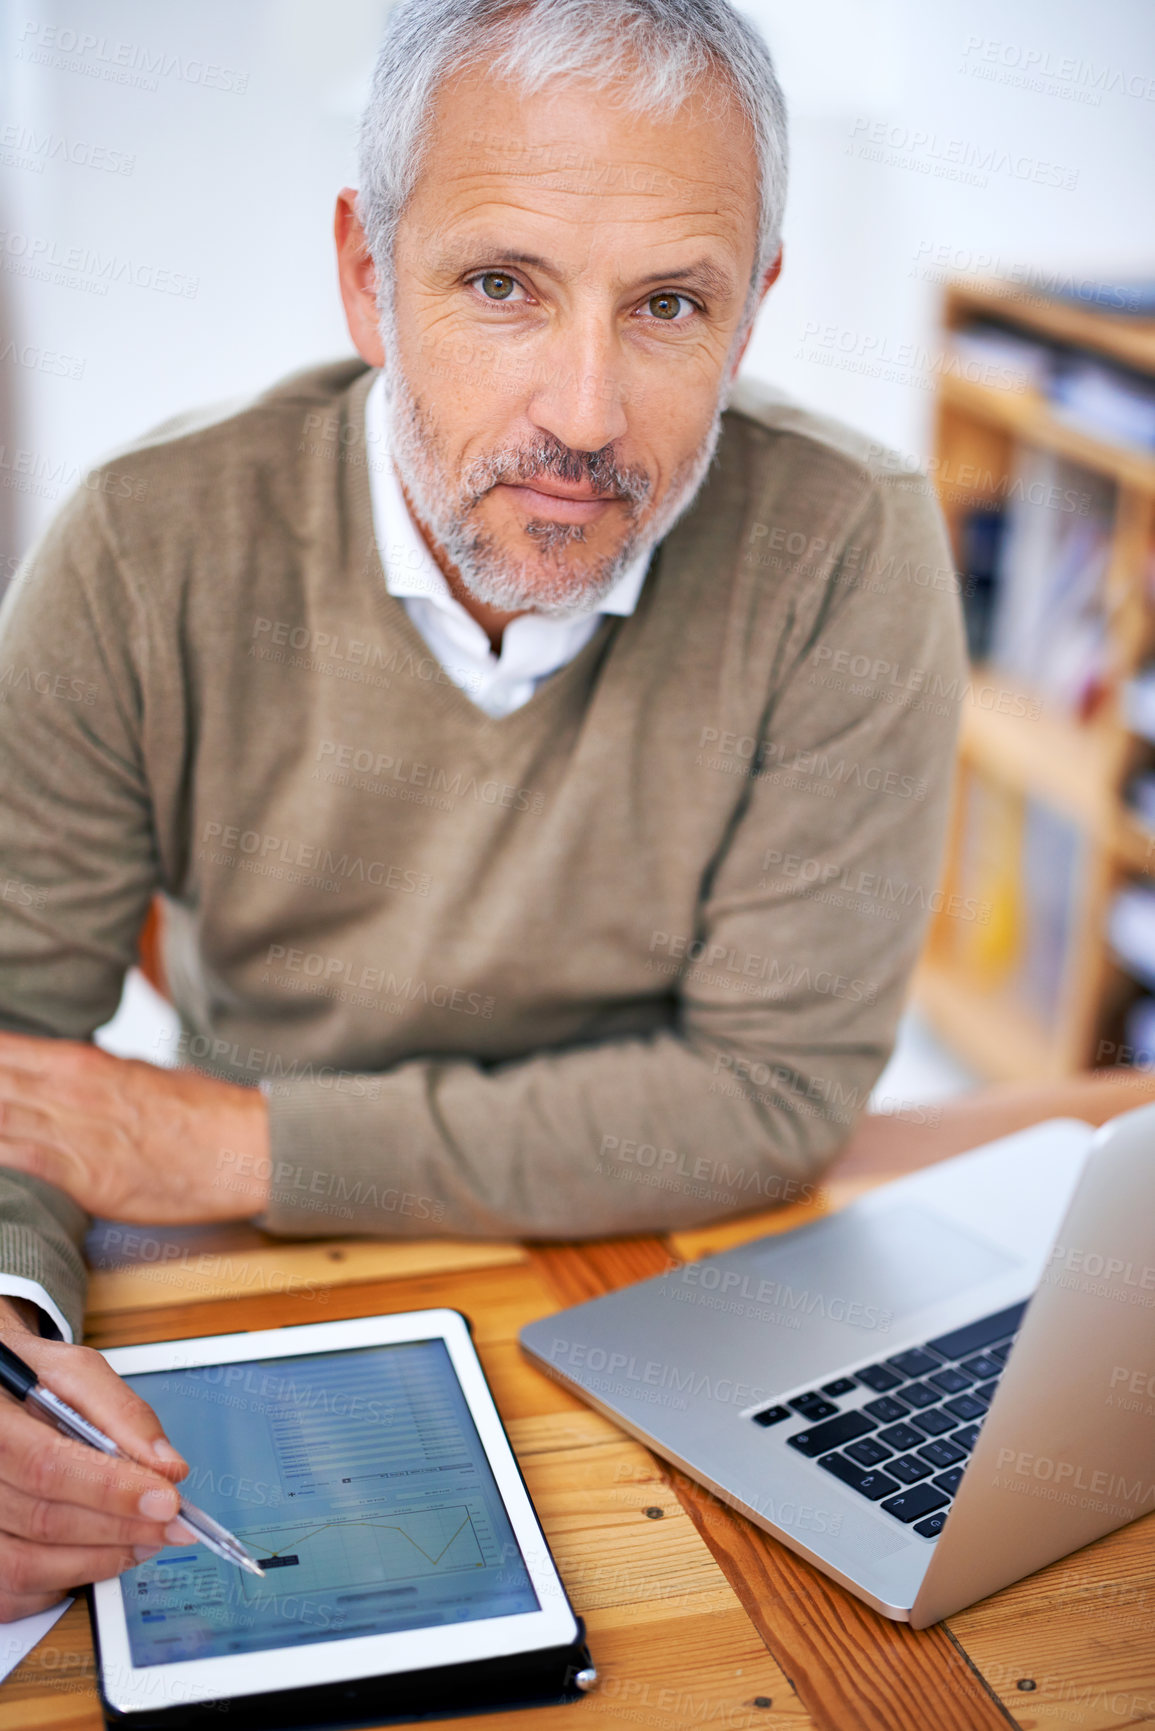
(566, 178)
(570, 144)
(477, 229)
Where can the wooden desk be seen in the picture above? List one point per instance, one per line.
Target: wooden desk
(696, 1618)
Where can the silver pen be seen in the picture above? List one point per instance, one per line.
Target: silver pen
(22, 1381)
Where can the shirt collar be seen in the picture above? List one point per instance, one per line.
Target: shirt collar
(410, 568)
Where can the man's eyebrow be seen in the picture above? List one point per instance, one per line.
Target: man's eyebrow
(702, 274)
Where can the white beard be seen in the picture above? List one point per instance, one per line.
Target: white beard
(549, 577)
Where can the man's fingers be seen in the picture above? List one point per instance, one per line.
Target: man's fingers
(47, 1467)
(44, 1522)
(14, 1606)
(28, 1052)
(40, 1152)
(83, 1378)
(58, 1075)
(38, 1056)
(41, 1160)
(28, 1119)
(27, 1569)
(65, 1091)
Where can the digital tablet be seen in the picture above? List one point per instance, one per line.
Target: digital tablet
(364, 1465)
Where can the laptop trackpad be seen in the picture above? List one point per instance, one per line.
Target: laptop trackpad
(903, 1258)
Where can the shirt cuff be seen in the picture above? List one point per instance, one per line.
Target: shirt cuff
(16, 1286)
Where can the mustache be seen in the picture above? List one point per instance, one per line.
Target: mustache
(546, 458)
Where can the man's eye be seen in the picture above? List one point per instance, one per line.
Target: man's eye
(664, 306)
(496, 285)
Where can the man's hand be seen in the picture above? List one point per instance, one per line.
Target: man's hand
(129, 1141)
(67, 1513)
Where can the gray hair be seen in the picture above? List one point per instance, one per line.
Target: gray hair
(671, 46)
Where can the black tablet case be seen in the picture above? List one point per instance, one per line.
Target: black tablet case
(543, 1679)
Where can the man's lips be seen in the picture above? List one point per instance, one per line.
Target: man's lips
(553, 499)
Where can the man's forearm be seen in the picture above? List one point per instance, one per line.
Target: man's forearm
(630, 1136)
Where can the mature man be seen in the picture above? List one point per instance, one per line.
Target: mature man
(532, 732)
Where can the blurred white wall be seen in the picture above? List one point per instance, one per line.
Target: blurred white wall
(171, 245)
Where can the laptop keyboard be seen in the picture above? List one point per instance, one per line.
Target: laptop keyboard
(906, 1447)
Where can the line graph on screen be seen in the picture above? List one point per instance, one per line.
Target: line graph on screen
(371, 1550)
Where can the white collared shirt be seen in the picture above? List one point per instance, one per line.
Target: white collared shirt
(532, 646)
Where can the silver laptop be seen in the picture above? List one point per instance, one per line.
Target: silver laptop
(928, 1395)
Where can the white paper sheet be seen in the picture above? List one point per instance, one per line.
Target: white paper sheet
(18, 1639)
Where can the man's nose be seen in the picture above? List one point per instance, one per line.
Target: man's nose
(579, 394)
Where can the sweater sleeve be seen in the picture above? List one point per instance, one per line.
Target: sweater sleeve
(77, 861)
(788, 993)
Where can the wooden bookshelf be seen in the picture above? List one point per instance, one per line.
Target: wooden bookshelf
(1117, 335)
(1075, 768)
(1028, 417)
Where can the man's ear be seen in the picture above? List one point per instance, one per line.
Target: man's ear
(358, 279)
(769, 278)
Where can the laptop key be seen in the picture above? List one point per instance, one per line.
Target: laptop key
(840, 1385)
(879, 1377)
(985, 1392)
(920, 1394)
(866, 1482)
(909, 1469)
(919, 1500)
(812, 1406)
(948, 1481)
(900, 1436)
(961, 1342)
(934, 1421)
(943, 1452)
(966, 1439)
(886, 1410)
(868, 1452)
(772, 1415)
(933, 1525)
(916, 1362)
(965, 1408)
(831, 1435)
(1003, 1352)
(951, 1381)
(982, 1367)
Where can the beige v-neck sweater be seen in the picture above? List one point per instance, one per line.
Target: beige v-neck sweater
(630, 957)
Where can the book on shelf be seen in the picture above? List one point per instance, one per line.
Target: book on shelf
(1138, 714)
(987, 881)
(988, 353)
(1112, 402)
(1131, 931)
(1034, 590)
(1138, 694)
(1139, 1033)
(981, 535)
(1098, 395)
(1140, 797)
(1052, 861)
(1019, 870)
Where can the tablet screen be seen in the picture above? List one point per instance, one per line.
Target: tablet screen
(358, 1481)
